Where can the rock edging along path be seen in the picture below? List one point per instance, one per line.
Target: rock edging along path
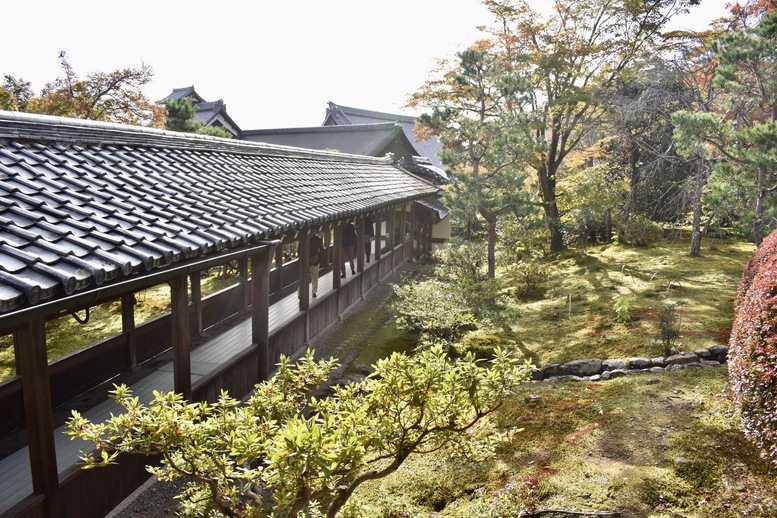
(598, 370)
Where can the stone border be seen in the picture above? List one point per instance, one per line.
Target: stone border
(597, 370)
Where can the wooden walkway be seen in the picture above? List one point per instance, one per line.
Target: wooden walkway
(15, 477)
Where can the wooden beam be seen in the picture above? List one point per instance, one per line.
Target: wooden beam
(261, 264)
(36, 392)
(182, 368)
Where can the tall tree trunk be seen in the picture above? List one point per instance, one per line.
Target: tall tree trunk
(547, 180)
(759, 207)
(492, 249)
(696, 227)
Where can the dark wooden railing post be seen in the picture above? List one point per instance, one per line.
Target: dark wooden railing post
(402, 233)
(128, 328)
(36, 392)
(182, 368)
(261, 264)
(378, 242)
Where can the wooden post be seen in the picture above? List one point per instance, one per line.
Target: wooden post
(304, 271)
(261, 264)
(196, 288)
(413, 230)
(338, 261)
(182, 368)
(378, 241)
(242, 267)
(392, 233)
(128, 328)
(36, 393)
(402, 233)
(279, 266)
(360, 244)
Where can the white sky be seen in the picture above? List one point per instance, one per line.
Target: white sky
(275, 63)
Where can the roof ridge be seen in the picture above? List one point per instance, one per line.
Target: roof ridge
(377, 114)
(331, 128)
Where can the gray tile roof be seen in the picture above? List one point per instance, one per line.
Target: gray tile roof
(343, 115)
(361, 139)
(84, 203)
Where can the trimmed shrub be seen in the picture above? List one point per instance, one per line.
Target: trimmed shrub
(752, 353)
(640, 231)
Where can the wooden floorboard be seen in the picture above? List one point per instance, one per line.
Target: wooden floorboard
(15, 478)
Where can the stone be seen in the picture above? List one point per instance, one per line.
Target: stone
(681, 359)
(610, 365)
(618, 373)
(718, 352)
(550, 370)
(675, 367)
(702, 353)
(652, 381)
(596, 377)
(639, 363)
(582, 367)
(656, 369)
(710, 363)
(537, 375)
(658, 362)
(605, 375)
(693, 364)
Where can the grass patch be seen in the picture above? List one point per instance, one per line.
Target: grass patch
(576, 317)
(649, 444)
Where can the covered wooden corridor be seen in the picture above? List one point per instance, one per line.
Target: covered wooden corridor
(93, 213)
(224, 347)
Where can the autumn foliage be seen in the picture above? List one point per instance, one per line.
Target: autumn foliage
(753, 349)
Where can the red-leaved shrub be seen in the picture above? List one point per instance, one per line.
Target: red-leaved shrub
(752, 355)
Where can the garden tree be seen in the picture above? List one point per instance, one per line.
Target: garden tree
(113, 96)
(742, 128)
(15, 94)
(664, 181)
(181, 117)
(752, 356)
(284, 451)
(474, 113)
(565, 61)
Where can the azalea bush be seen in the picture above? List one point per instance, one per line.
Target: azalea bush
(286, 452)
(752, 355)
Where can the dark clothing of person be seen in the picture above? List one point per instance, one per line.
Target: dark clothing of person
(348, 247)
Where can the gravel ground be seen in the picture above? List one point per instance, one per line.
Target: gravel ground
(341, 340)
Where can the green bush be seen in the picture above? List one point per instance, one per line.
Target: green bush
(432, 309)
(640, 231)
(528, 278)
(752, 355)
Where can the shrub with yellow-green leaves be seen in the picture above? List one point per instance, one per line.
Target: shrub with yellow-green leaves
(285, 451)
